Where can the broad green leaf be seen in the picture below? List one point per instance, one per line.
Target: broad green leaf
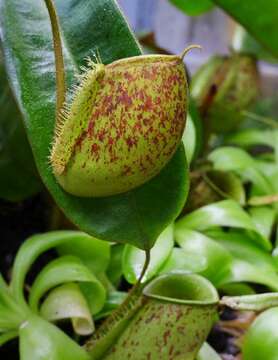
(7, 336)
(222, 213)
(207, 353)
(218, 259)
(246, 272)
(192, 136)
(245, 43)
(226, 184)
(94, 253)
(236, 289)
(6, 299)
(260, 341)
(242, 247)
(9, 320)
(136, 217)
(251, 137)
(264, 218)
(67, 269)
(193, 7)
(11, 315)
(270, 170)
(229, 158)
(31, 249)
(189, 139)
(40, 340)
(184, 261)
(250, 263)
(133, 258)
(238, 160)
(68, 302)
(259, 18)
(16, 159)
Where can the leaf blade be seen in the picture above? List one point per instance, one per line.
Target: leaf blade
(136, 217)
(260, 20)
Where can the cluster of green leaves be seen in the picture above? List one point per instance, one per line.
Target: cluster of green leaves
(80, 285)
(68, 287)
(238, 257)
(228, 239)
(97, 27)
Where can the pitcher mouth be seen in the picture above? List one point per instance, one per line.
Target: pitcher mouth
(182, 288)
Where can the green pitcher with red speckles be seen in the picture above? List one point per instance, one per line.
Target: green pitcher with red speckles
(224, 88)
(123, 125)
(170, 321)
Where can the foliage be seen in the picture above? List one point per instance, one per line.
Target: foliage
(193, 8)
(225, 237)
(67, 288)
(16, 160)
(137, 216)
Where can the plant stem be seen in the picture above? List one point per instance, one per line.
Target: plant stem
(146, 265)
(116, 322)
(59, 60)
(266, 120)
(263, 200)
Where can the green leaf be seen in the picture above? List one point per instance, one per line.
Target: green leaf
(40, 340)
(11, 315)
(264, 218)
(94, 253)
(236, 289)
(185, 261)
(218, 259)
(244, 271)
(251, 137)
(270, 170)
(250, 263)
(136, 217)
(235, 159)
(226, 184)
(64, 270)
(222, 213)
(207, 353)
(189, 139)
(16, 159)
(30, 250)
(7, 336)
(259, 18)
(245, 43)
(193, 7)
(9, 320)
(68, 302)
(192, 136)
(254, 137)
(260, 341)
(133, 258)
